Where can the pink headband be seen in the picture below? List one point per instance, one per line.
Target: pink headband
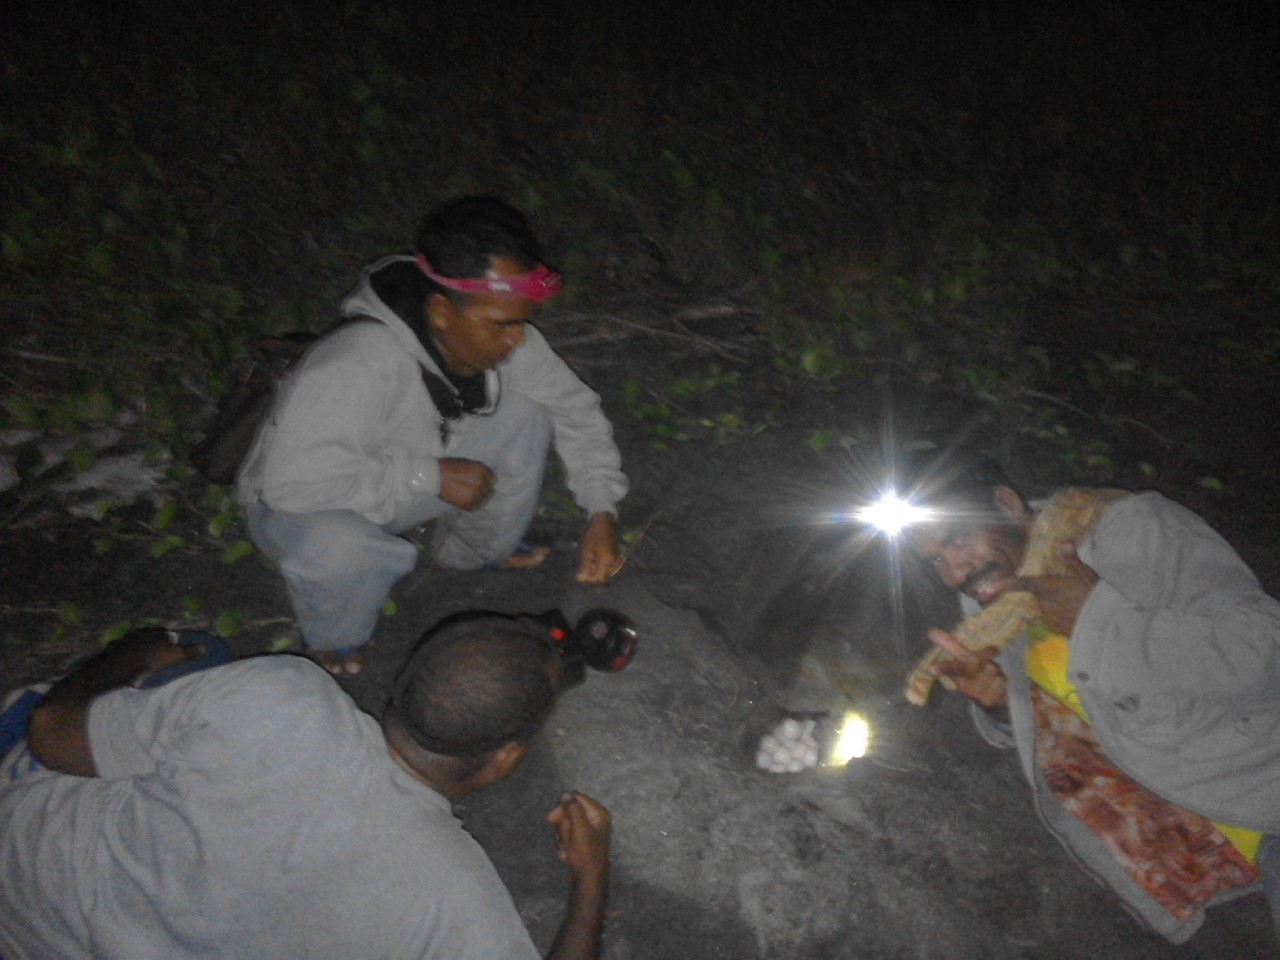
(540, 284)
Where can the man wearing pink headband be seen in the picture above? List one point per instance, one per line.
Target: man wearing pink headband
(440, 404)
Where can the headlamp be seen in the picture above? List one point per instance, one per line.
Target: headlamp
(891, 514)
(540, 284)
(603, 640)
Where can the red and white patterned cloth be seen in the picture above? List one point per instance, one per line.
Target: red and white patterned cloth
(1179, 858)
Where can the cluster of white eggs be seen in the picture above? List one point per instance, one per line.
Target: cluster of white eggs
(790, 748)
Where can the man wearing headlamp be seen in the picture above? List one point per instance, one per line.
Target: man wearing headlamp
(253, 810)
(1144, 700)
(437, 402)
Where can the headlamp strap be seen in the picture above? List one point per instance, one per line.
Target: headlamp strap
(540, 284)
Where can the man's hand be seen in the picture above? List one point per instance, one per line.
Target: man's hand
(582, 828)
(1062, 597)
(598, 557)
(465, 484)
(976, 673)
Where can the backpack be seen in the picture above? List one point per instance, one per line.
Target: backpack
(240, 413)
(226, 443)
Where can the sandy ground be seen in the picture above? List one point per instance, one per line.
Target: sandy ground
(926, 848)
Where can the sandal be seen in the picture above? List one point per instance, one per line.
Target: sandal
(525, 557)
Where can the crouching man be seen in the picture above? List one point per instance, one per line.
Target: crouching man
(437, 402)
(252, 810)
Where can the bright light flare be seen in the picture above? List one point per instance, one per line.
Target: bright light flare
(891, 514)
(852, 740)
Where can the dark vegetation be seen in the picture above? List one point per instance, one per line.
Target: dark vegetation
(1053, 233)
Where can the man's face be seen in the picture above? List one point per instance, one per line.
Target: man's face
(482, 332)
(977, 558)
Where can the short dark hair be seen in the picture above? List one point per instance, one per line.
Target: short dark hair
(462, 236)
(475, 683)
(956, 475)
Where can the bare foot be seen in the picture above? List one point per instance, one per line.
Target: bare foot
(348, 660)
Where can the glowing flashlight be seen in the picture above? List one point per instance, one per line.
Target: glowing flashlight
(891, 514)
(852, 740)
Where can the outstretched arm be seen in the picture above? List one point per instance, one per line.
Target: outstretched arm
(59, 733)
(582, 834)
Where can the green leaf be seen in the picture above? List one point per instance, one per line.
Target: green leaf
(167, 545)
(96, 406)
(11, 248)
(676, 169)
(818, 363)
(219, 524)
(98, 510)
(237, 551)
(389, 608)
(115, 632)
(22, 409)
(283, 642)
(228, 623)
(820, 440)
(81, 456)
(164, 515)
(631, 392)
(70, 613)
(1212, 483)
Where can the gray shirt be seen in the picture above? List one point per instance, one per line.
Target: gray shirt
(249, 811)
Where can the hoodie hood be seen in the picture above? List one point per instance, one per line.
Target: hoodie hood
(365, 300)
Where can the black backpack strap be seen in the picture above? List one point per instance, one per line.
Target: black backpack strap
(442, 395)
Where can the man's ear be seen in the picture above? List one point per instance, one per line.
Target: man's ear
(439, 310)
(504, 761)
(1014, 508)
